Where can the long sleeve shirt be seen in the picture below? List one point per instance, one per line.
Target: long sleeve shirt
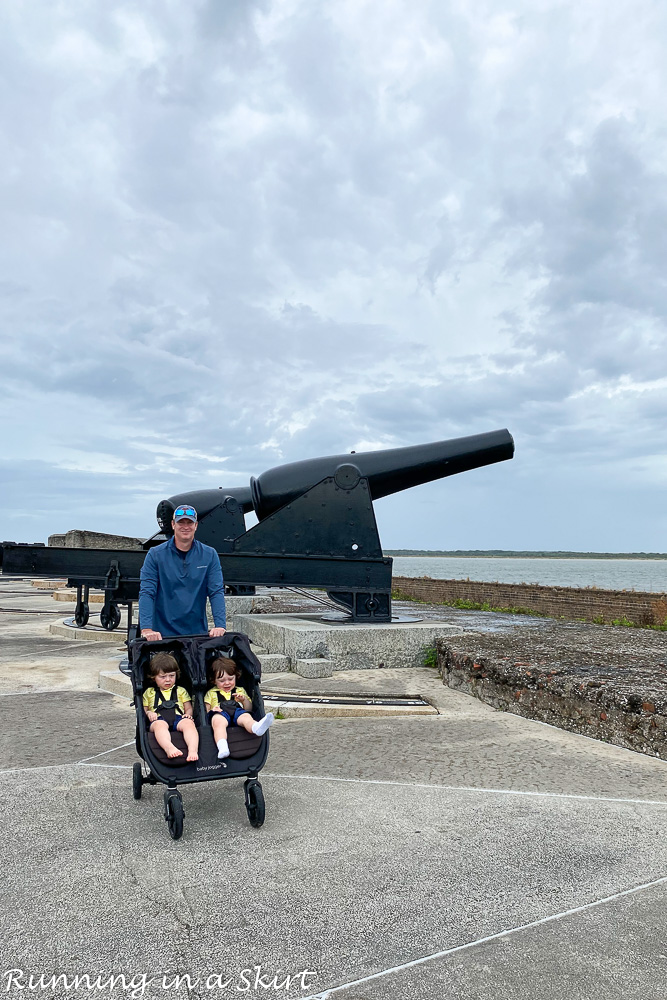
(174, 587)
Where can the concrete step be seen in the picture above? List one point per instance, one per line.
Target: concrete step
(259, 650)
(314, 668)
(294, 710)
(115, 683)
(92, 634)
(274, 663)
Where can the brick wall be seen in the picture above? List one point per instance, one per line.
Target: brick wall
(585, 603)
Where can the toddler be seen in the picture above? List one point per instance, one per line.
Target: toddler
(228, 704)
(169, 707)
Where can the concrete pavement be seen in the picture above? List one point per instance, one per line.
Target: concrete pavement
(471, 854)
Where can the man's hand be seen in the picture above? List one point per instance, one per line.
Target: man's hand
(216, 632)
(150, 635)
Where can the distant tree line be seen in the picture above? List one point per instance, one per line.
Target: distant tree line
(521, 554)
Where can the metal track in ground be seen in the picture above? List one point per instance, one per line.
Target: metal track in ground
(321, 700)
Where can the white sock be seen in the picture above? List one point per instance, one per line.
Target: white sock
(259, 728)
(223, 749)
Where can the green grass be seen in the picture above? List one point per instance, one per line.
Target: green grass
(431, 657)
(485, 606)
(463, 605)
(626, 623)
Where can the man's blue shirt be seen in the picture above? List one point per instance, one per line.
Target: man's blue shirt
(174, 587)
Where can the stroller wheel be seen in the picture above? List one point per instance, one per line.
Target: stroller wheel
(254, 802)
(174, 813)
(137, 780)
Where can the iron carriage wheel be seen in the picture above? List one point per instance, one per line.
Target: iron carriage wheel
(110, 619)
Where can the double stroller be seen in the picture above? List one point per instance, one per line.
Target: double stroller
(248, 752)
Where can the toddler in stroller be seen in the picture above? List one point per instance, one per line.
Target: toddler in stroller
(168, 707)
(228, 704)
(189, 660)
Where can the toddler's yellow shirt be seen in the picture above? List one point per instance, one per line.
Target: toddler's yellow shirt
(210, 696)
(150, 694)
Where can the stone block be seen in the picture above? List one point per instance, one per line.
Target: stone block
(314, 668)
(70, 595)
(349, 647)
(274, 663)
(244, 604)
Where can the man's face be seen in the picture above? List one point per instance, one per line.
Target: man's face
(184, 532)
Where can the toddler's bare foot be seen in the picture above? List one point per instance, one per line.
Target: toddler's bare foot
(193, 755)
(173, 752)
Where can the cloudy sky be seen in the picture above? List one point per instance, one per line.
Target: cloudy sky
(243, 232)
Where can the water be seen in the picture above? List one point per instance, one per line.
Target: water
(606, 574)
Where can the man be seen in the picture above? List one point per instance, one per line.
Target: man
(176, 579)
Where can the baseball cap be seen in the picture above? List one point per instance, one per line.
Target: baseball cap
(183, 511)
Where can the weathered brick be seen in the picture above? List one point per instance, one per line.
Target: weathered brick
(572, 603)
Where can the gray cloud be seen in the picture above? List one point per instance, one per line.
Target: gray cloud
(244, 233)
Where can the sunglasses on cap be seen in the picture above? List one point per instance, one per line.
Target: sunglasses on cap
(182, 512)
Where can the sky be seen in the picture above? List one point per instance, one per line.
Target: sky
(243, 233)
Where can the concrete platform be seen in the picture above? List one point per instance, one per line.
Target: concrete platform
(91, 632)
(348, 647)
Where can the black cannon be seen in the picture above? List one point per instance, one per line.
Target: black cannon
(316, 528)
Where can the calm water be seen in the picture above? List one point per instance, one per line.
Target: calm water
(607, 574)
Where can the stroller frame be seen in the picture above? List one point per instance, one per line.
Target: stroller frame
(248, 753)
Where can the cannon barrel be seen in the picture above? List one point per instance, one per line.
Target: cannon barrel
(388, 471)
